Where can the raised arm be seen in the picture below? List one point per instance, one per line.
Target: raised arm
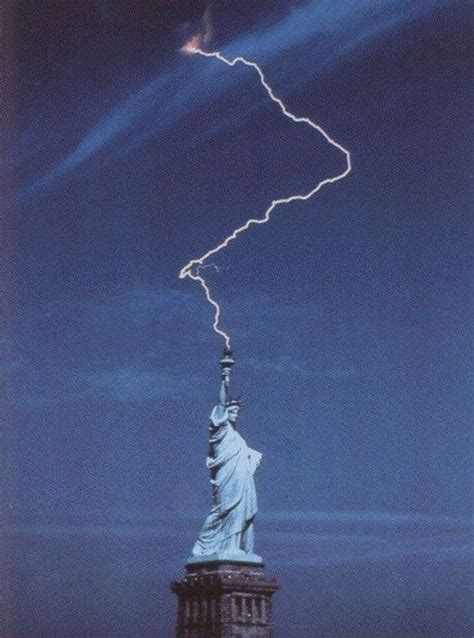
(223, 391)
(226, 364)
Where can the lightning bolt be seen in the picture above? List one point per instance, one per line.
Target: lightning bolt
(194, 267)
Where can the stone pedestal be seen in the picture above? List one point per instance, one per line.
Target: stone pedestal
(224, 600)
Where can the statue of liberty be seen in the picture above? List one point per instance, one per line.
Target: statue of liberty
(227, 533)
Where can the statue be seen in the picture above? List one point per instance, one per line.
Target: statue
(227, 533)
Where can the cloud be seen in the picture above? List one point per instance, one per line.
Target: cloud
(131, 384)
(106, 130)
(448, 551)
(98, 531)
(276, 518)
(334, 29)
(337, 28)
(281, 365)
(137, 306)
(311, 538)
(379, 518)
(294, 367)
(336, 539)
(144, 368)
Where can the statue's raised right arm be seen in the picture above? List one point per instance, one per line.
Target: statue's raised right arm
(226, 364)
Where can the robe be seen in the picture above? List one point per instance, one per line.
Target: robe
(232, 464)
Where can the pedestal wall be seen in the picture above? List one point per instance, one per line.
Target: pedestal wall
(224, 600)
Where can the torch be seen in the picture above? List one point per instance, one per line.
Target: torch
(226, 364)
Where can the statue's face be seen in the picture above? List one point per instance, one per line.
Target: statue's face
(233, 413)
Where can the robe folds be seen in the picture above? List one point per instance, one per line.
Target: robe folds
(232, 464)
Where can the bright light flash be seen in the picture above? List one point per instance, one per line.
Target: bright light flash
(194, 267)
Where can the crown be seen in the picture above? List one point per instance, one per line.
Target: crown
(231, 402)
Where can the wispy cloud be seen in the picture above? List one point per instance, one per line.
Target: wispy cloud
(314, 538)
(142, 370)
(277, 518)
(107, 129)
(447, 551)
(326, 537)
(295, 367)
(99, 531)
(335, 30)
(131, 384)
(121, 383)
(136, 306)
(379, 518)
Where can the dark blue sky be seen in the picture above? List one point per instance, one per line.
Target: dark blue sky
(350, 314)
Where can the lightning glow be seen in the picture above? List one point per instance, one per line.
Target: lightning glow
(194, 267)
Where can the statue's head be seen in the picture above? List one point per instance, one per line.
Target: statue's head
(233, 409)
(227, 413)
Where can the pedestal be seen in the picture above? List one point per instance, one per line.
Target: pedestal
(231, 599)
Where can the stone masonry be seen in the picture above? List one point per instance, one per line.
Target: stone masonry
(224, 600)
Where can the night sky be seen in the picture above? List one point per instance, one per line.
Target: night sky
(350, 314)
